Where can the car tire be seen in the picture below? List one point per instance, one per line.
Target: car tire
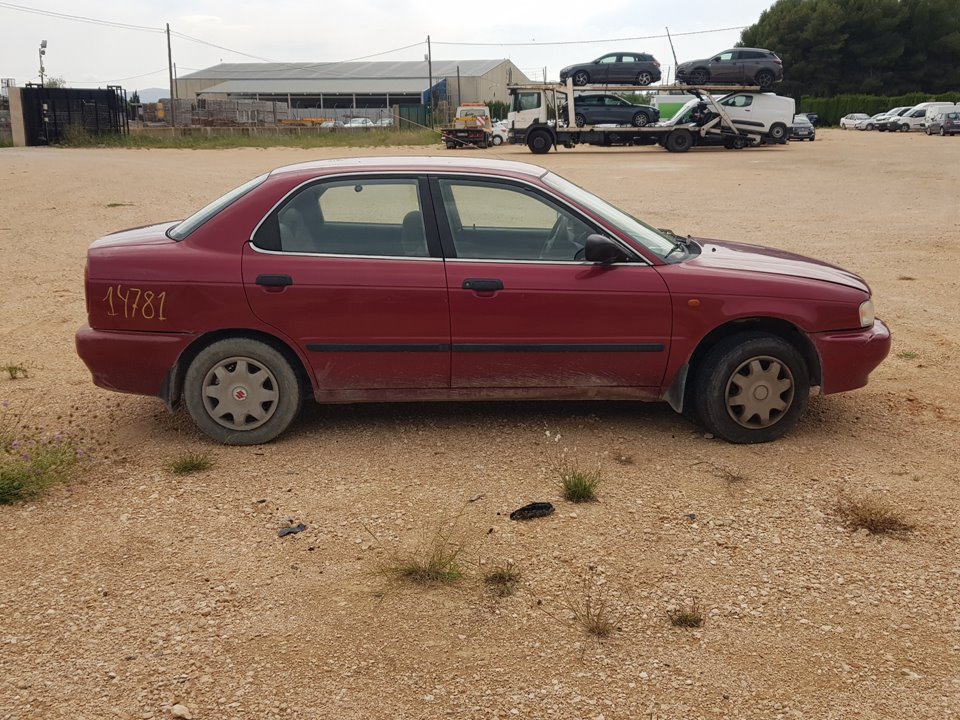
(640, 119)
(644, 78)
(271, 391)
(942, 133)
(698, 76)
(767, 367)
(764, 79)
(905, 128)
(581, 77)
(778, 132)
(870, 126)
(679, 141)
(497, 140)
(539, 142)
(580, 119)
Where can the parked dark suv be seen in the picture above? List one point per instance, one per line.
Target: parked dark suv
(620, 68)
(741, 66)
(609, 109)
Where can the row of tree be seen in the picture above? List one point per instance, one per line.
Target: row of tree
(879, 47)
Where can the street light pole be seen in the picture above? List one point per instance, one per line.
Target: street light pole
(43, 51)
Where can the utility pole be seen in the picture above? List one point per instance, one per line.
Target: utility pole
(43, 51)
(173, 113)
(430, 78)
(459, 96)
(675, 63)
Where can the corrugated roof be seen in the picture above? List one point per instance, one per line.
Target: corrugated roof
(348, 70)
(271, 86)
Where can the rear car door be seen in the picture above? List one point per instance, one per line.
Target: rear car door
(350, 268)
(527, 310)
(625, 70)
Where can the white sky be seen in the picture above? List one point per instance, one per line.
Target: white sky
(333, 30)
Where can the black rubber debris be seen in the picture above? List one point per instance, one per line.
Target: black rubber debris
(531, 511)
(292, 530)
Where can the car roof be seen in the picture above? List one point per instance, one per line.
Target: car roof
(414, 163)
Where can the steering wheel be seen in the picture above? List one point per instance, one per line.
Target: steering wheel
(561, 228)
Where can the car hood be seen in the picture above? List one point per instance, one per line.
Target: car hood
(756, 258)
(144, 235)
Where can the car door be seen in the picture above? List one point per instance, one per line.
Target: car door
(615, 110)
(624, 71)
(603, 68)
(723, 68)
(350, 269)
(526, 310)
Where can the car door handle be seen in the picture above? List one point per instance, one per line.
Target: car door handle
(482, 284)
(278, 281)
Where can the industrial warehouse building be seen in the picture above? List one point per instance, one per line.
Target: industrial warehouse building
(354, 85)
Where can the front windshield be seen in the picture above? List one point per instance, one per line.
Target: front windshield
(184, 228)
(650, 238)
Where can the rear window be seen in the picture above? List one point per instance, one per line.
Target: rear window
(183, 229)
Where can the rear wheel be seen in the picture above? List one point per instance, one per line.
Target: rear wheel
(905, 128)
(942, 132)
(698, 77)
(640, 119)
(241, 392)
(539, 142)
(751, 388)
(764, 79)
(644, 78)
(580, 77)
(679, 141)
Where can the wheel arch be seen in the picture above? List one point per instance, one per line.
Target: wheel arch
(171, 392)
(768, 325)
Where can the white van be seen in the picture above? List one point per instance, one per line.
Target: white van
(765, 114)
(916, 119)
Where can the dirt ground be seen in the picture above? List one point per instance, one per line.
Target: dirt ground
(133, 589)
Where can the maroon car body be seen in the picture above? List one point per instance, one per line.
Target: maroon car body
(596, 307)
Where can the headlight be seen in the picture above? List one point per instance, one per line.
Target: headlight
(867, 314)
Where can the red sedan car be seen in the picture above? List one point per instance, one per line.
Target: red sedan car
(399, 279)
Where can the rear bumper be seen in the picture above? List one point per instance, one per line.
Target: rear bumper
(130, 362)
(847, 358)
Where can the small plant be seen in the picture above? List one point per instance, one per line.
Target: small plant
(579, 485)
(688, 616)
(502, 579)
(592, 609)
(191, 463)
(623, 459)
(874, 515)
(14, 371)
(118, 204)
(29, 461)
(906, 277)
(436, 561)
(907, 355)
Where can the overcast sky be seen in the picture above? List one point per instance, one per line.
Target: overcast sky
(87, 54)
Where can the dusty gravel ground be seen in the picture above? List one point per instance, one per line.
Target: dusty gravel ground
(133, 589)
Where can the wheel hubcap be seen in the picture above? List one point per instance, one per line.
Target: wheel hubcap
(240, 394)
(759, 392)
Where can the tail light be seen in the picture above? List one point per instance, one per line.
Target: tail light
(657, 63)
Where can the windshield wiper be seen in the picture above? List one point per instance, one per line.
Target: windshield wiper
(679, 243)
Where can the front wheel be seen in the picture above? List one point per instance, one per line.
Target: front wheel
(539, 142)
(942, 132)
(905, 128)
(778, 132)
(497, 140)
(698, 77)
(751, 388)
(241, 392)
(581, 77)
(640, 119)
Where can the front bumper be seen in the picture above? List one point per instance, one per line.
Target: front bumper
(848, 357)
(130, 362)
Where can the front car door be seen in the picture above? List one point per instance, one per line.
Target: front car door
(526, 310)
(723, 68)
(602, 68)
(350, 269)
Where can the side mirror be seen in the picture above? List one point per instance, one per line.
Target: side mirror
(604, 251)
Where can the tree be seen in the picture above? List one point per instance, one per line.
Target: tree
(55, 82)
(884, 47)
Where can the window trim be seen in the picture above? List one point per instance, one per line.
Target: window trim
(423, 195)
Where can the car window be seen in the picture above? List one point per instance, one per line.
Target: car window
(628, 58)
(608, 59)
(494, 221)
(724, 57)
(614, 100)
(738, 101)
(183, 229)
(751, 55)
(352, 217)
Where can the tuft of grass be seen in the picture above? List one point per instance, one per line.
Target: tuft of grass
(434, 562)
(14, 370)
(623, 459)
(579, 485)
(592, 610)
(26, 473)
(688, 616)
(502, 579)
(907, 355)
(116, 205)
(906, 277)
(874, 515)
(191, 463)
